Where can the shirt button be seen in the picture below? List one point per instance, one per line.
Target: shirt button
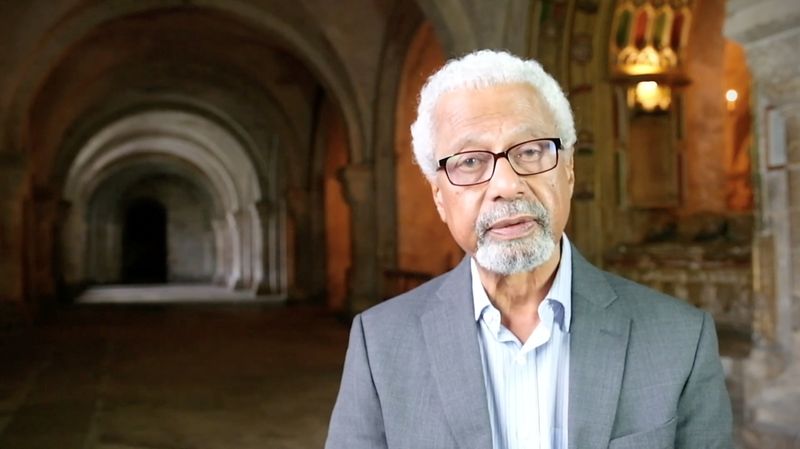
(520, 359)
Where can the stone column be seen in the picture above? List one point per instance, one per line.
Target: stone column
(244, 225)
(307, 209)
(12, 307)
(769, 31)
(106, 252)
(103, 247)
(42, 210)
(72, 244)
(270, 248)
(94, 263)
(359, 187)
(258, 215)
(114, 250)
(221, 251)
(234, 280)
(279, 253)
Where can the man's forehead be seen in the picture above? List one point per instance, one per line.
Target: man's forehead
(532, 129)
(517, 98)
(489, 118)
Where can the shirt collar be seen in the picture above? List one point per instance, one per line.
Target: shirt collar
(560, 291)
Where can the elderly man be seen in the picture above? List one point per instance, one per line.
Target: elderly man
(524, 344)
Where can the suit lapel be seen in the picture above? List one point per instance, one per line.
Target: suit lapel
(451, 337)
(598, 344)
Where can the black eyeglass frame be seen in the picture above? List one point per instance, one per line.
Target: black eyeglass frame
(503, 154)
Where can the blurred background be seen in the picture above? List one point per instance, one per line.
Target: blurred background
(196, 195)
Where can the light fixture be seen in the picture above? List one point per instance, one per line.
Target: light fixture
(649, 96)
(731, 96)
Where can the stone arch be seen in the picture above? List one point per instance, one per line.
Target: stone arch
(452, 23)
(316, 52)
(177, 133)
(91, 241)
(200, 150)
(282, 145)
(260, 150)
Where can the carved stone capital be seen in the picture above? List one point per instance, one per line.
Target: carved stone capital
(358, 182)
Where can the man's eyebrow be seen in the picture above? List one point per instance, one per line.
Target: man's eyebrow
(522, 132)
(532, 130)
(468, 141)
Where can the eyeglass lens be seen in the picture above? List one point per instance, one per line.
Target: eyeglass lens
(475, 167)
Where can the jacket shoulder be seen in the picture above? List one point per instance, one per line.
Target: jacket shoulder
(407, 305)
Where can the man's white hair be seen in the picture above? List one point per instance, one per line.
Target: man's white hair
(477, 70)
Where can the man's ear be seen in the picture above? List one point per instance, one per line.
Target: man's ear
(569, 166)
(438, 200)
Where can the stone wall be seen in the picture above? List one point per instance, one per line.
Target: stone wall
(769, 31)
(715, 277)
(12, 175)
(190, 239)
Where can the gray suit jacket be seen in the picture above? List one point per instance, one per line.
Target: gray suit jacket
(644, 371)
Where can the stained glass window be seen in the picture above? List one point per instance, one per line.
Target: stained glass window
(649, 35)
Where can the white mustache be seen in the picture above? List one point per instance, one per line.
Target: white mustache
(510, 209)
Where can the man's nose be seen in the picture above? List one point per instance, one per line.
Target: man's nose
(505, 182)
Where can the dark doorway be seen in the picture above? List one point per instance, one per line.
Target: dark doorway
(144, 243)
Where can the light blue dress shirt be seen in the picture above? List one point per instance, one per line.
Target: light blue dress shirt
(527, 385)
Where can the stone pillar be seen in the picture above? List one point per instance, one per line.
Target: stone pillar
(258, 216)
(234, 280)
(359, 187)
(244, 225)
(221, 251)
(12, 306)
(277, 228)
(108, 248)
(270, 248)
(94, 251)
(114, 254)
(72, 245)
(42, 209)
(769, 31)
(307, 211)
(103, 249)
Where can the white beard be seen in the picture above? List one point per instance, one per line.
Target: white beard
(508, 257)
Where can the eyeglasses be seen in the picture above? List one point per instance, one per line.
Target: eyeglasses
(527, 158)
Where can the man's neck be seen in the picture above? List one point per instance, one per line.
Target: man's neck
(519, 295)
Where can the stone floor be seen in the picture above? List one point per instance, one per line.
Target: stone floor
(775, 409)
(147, 376)
(171, 294)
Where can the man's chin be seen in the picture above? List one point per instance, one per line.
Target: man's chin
(514, 256)
(506, 269)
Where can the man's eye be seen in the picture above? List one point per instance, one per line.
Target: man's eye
(469, 163)
(529, 153)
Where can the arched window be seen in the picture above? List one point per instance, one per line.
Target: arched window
(649, 36)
